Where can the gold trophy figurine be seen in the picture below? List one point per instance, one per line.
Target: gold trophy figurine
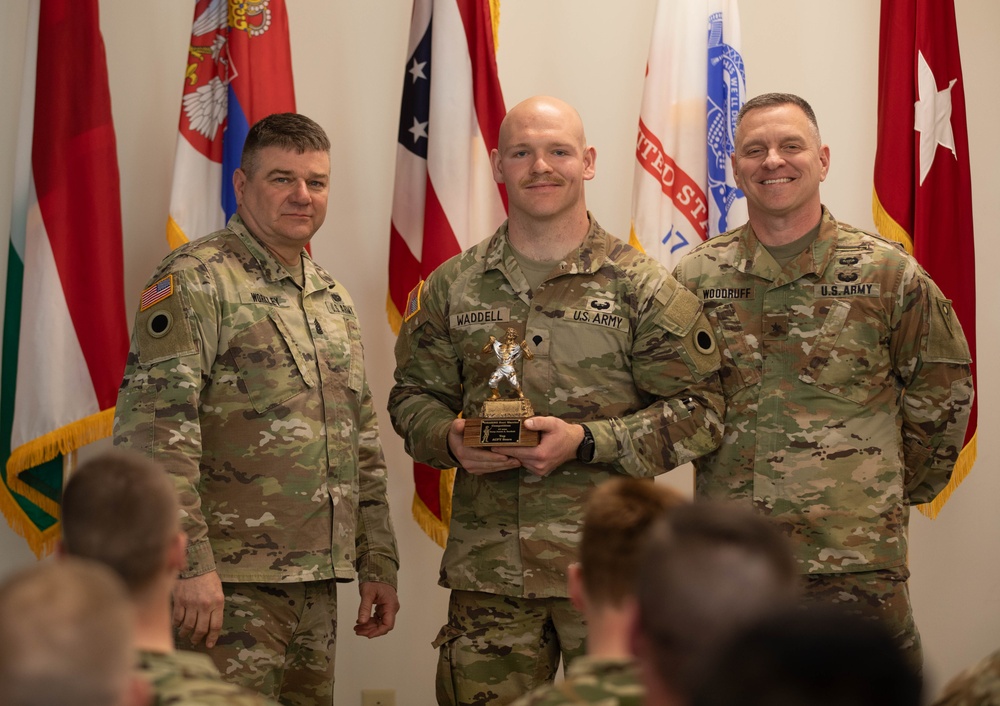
(502, 420)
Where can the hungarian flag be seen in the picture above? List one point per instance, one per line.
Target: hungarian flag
(683, 191)
(65, 335)
(239, 71)
(445, 199)
(923, 189)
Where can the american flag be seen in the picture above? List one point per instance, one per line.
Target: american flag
(156, 292)
(445, 199)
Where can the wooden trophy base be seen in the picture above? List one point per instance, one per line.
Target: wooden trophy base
(502, 424)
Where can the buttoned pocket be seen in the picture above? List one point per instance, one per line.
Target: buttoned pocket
(269, 370)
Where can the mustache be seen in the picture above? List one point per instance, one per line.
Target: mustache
(547, 181)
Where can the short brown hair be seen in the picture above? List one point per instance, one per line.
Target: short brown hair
(707, 570)
(289, 131)
(121, 509)
(616, 516)
(770, 100)
(67, 630)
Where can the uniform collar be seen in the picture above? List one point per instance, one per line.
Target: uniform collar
(754, 259)
(588, 258)
(273, 269)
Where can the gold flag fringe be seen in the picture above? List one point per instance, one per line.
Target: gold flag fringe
(436, 528)
(962, 467)
(64, 440)
(495, 20)
(889, 228)
(395, 318)
(41, 542)
(175, 236)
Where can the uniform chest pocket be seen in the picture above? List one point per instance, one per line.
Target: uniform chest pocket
(741, 359)
(583, 338)
(268, 364)
(848, 356)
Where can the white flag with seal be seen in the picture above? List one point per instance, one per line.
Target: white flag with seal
(684, 190)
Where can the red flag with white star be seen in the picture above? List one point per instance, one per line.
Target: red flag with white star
(923, 185)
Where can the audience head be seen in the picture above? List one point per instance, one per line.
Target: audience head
(121, 509)
(66, 630)
(816, 655)
(707, 570)
(616, 517)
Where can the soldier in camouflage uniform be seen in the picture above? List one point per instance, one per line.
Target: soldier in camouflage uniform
(616, 344)
(845, 370)
(979, 685)
(246, 380)
(120, 509)
(616, 517)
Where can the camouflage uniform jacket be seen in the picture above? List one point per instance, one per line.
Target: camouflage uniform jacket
(816, 359)
(252, 393)
(615, 342)
(599, 682)
(191, 679)
(978, 685)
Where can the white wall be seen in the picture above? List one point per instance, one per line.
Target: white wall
(348, 57)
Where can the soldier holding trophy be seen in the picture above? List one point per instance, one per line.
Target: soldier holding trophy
(604, 346)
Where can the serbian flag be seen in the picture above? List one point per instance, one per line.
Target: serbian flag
(239, 71)
(445, 199)
(683, 190)
(65, 335)
(923, 185)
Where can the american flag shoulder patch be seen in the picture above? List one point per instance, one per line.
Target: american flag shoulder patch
(413, 302)
(156, 292)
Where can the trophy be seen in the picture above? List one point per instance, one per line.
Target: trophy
(502, 423)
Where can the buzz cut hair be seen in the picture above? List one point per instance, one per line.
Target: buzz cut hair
(121, 510)
(288, 131)
(617, 515)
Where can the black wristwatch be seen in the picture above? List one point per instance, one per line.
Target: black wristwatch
(585, 451)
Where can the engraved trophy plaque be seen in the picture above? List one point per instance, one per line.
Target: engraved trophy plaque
(502, 421)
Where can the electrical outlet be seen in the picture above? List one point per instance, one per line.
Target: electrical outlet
(378, 697)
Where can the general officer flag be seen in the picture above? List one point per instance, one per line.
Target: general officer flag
(239, 70)
(923, 185)
(445, 199)
(65, 334)
(683, 190)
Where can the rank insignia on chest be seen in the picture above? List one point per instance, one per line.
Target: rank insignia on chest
(156, 292)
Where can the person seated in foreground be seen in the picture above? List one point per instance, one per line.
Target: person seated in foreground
(707, 570)
(66, 638)
(616, 516)
(120, 509)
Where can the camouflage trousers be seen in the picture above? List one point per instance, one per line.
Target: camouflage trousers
(881, 594)
(497, 648)
(278, 639)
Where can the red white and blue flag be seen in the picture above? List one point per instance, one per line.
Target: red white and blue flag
(239, 71)
(923, 183)
(65, 334)
(683, 191)
(445, 199)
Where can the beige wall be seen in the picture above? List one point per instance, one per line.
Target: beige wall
(348, 57)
